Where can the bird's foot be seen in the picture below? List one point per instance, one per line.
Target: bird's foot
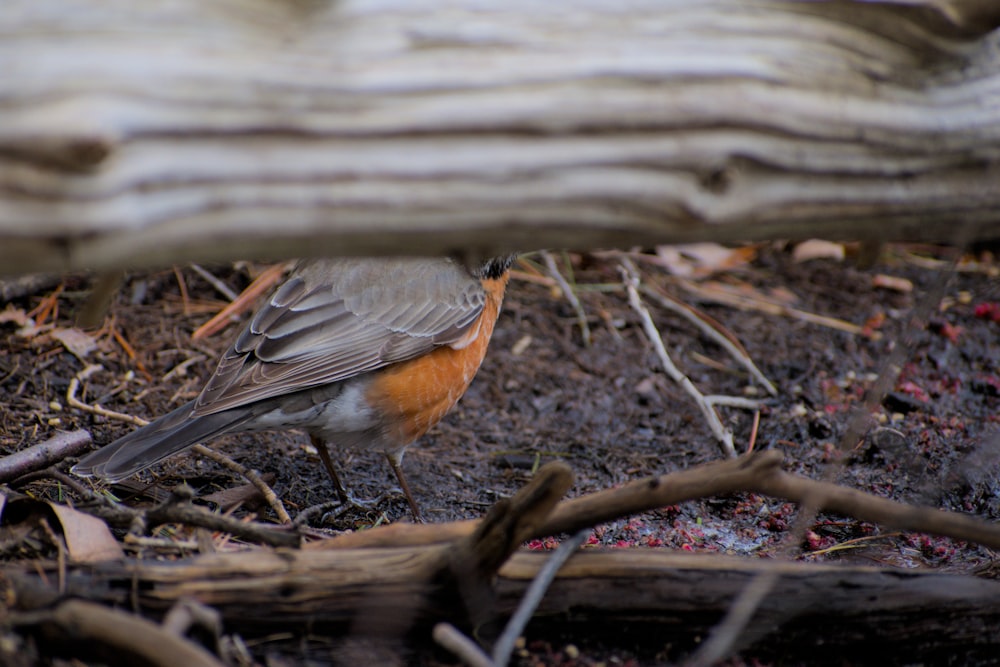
(334, 509)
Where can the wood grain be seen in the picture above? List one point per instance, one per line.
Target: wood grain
(141, 134)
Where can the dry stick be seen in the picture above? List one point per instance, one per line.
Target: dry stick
(251, 476)
(43, 454)
(630, 277)
(529, 603)
(468, 651)
(195, 516)
(475, 559)
(570, 294)
(220, 287)
(74, 402)
(174, 512)
(244, 302)
(761, 472)
(710, 328)
(744, 302)
(755, 472)
(181, 368)
(722, 640)
(732, 401)
(182, 286)
(159, 543)
(60, 545)
(142, 641)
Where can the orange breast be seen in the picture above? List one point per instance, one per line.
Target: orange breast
(414, 395)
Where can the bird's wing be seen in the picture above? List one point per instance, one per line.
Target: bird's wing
(334, 319)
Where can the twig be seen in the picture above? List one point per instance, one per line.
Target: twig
(744, 302)
(73, 401)
(529, 603)
(251, 476)
(732, 401)
(737, 618)
(534, 278)
(758, 472)
(724, 638)
(570, 294)
(630, 276)
(468, 651)
(48, 306)
(188, 613)
(60, 545)
(144, 542)
(753, 431)
(710, 328)
(135, 638)
(183, 512)
(220, 287)
(243, 302)
(43, 454)
(182, 285)
(761, 472)
(181, 368)
(173, 511)
(850, 544)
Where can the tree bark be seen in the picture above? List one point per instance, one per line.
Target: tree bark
(665, 598)
(146, 133)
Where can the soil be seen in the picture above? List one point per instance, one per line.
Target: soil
(606, 408)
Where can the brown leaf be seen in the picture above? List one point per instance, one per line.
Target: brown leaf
(77, 342)
(88, 539)
(698, 260)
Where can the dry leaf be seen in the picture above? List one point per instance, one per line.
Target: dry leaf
(818, 249)
(78, 343)
(88, 539)
(892, 282)
(699, 260)
(17, 316)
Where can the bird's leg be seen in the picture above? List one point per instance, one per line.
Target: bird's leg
(324, 455)
(395, 460)
(345, 496)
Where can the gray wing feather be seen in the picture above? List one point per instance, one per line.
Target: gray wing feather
(334, 319)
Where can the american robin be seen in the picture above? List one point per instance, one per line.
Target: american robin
(359, 353)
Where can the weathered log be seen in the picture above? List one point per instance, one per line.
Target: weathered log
(139, 133)
(816, 614)
(673, 597)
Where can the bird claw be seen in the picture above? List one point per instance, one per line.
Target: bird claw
(345, 505)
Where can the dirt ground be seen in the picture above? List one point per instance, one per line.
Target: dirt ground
(607, 409)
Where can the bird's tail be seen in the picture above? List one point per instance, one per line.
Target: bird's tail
(156, 441)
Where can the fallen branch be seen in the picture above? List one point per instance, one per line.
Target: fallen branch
(43, 454)
(95, 629)
(678, 595)
(178, 510)
(631, 278)
(758, 472)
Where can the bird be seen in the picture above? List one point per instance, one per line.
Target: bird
(361, 353)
